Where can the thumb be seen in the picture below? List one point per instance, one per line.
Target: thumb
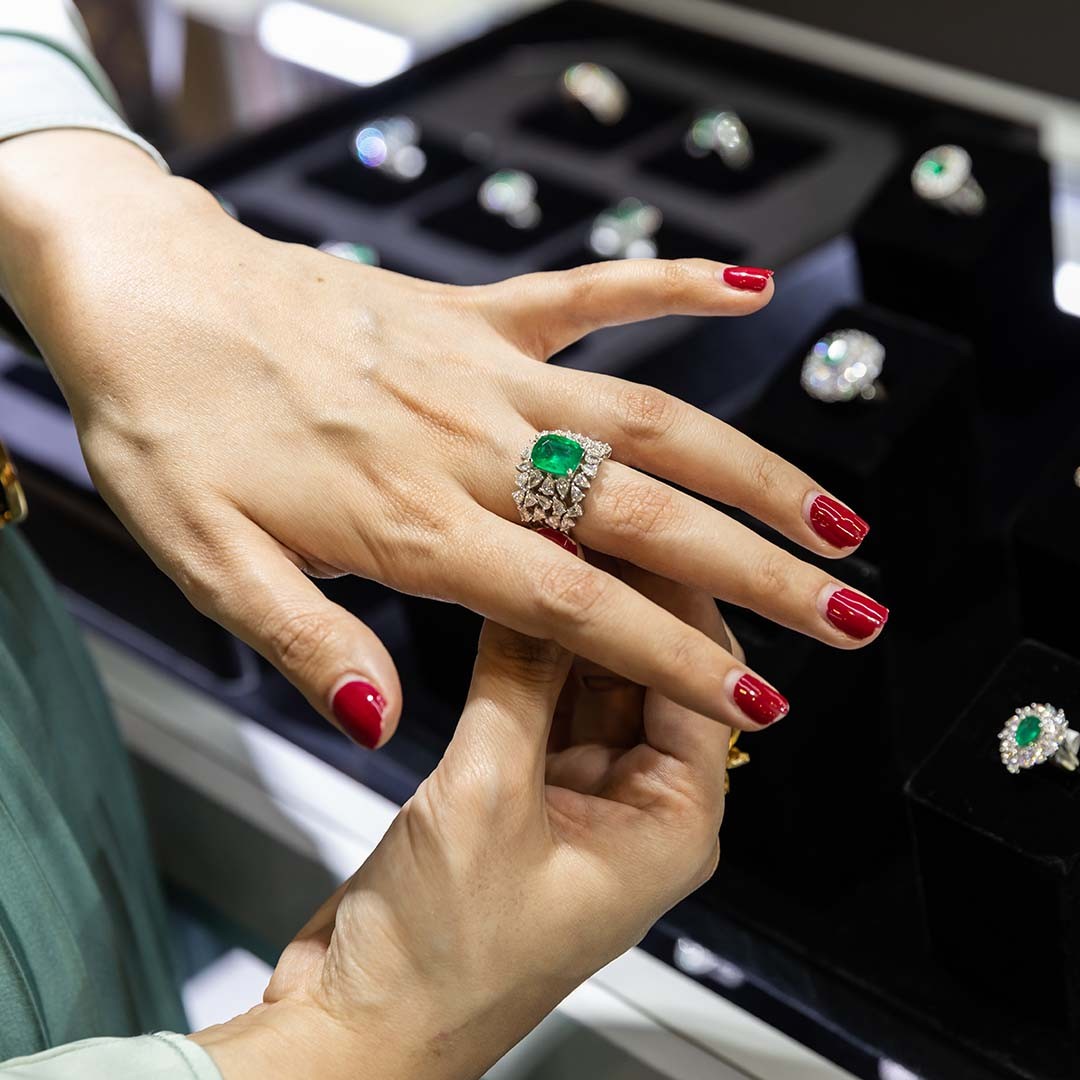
(543, 313)
(515, 686)
(329, 655)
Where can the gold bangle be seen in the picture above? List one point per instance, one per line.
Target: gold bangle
(735, 758)
(13, 508)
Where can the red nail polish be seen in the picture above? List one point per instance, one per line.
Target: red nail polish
(856, 615)
(560, 538)
(759, 700)
(834, 522)
(748, 278)
(359, 707)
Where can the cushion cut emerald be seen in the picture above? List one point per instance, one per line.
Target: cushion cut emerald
(557, 454)
(1028, 730)
(933, 167)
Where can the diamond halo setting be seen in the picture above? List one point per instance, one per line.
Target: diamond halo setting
(1037, 733)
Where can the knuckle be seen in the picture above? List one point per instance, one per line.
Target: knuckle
(570, 594)
(771, 579)
(644, 412)
(768, 472)
(296, 639)
(674, 277)
(584, 282)
(639, 509)
(529, 659)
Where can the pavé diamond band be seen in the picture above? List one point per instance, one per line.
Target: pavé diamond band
(555, 472)
(1036, 733)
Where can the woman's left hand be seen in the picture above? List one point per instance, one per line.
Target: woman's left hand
(528, 860)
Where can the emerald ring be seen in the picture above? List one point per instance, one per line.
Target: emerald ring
(844, 366)
(942, 177)
(1036, 733)
(556, 470)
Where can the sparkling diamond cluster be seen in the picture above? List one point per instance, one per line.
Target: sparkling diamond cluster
(843, 365)
(1031, 736)
(555, 471)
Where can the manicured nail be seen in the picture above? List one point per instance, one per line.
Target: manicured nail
(560, 538)
(748, 278)
(758, 700)
(854, 614)
(359, 708)
(835, 523)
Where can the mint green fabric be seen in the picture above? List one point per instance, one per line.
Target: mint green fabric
(83, 939)
(163, 1056)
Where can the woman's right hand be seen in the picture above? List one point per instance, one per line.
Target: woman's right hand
(523, 864)
(255, 410)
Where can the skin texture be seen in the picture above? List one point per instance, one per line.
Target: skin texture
(258, 412)
(537, 852)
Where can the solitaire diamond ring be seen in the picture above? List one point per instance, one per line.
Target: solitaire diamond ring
(598, 90)
(720, 131)
(1036, 733)
(390, 145)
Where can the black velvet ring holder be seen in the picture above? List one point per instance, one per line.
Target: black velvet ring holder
(1046, 547)
(902, 461)
(988, 277)
(999, 853)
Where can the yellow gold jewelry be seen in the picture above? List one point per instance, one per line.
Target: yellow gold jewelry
(13, 506)
(735, 759)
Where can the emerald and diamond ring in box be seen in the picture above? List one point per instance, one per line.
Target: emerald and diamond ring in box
(942, 177)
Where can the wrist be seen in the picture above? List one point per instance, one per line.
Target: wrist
(60, 188)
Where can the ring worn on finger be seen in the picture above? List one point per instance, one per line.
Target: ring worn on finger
(554, 474)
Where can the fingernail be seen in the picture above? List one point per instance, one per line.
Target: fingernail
(359, 707)
(748, 278)
(560, 538)
(836, 523)
(854, 614)
(758, 700)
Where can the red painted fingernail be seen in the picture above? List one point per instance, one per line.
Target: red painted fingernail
(854, 614)
(759, 701)
(835, 523)
(560, 538)
(748, 278)
(359, 708)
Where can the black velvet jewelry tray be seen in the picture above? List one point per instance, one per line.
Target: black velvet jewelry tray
(827, 938)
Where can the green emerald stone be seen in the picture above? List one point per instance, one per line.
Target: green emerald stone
(557, 454)
(1028, 730)
(934, 168)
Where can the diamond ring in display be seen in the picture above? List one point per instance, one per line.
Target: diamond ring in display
(1038, 733)
(943, 177)
(598, 89)
(555, 471)
(844, 365)
(626, 231)
(720, 131)
(390, 145)
(364, 254)
(511, 195)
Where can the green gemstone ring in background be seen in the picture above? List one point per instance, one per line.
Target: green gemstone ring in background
(942, 177)
(1036, 733)
(555, 471)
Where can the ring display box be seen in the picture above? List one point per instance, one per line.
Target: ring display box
(1046, 549)
(808, 770)
(1008, 925)
(987, 276)
(901, 460)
